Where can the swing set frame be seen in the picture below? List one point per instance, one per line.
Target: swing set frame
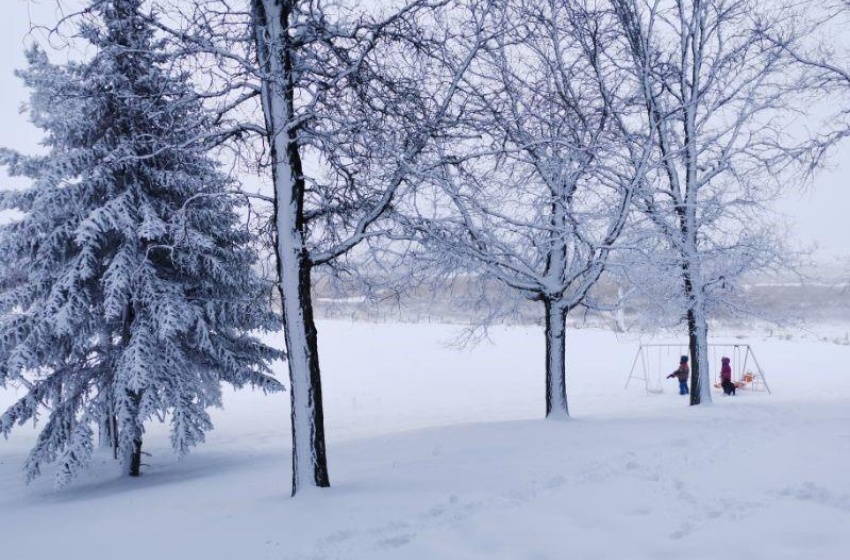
(741, 353)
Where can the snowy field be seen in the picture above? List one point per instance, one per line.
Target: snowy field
(438, 453)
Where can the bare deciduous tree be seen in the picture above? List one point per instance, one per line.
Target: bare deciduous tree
(542, 174)
(717, 95)
(352, 105)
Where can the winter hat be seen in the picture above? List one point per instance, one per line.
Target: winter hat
(683, 360)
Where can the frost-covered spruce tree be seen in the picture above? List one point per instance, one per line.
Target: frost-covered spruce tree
(126, 291)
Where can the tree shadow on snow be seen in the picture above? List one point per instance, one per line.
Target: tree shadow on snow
(104, 480)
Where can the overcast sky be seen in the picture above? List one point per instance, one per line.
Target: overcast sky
(820, 214)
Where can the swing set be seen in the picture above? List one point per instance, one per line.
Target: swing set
(653, 362)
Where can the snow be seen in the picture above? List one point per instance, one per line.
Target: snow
(441, 453)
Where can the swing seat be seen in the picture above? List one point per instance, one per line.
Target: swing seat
(746, 380)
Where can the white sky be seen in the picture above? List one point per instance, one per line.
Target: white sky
(820, 214)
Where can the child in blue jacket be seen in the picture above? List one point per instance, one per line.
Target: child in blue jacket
(682, 372)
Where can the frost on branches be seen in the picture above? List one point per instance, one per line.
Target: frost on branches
(127, 288)
(718, 98)
(538, 201)
(337, 92)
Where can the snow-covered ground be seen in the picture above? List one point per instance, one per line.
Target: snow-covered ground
(438, 453)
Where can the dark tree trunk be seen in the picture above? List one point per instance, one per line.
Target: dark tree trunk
(307, 354)
(133, 460)
(697, 327)
(135, 465)
(556, 386)
(108, 434)
(114, 433)
(693, 346)
(275, 52)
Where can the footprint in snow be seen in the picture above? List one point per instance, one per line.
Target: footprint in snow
(339, 536)
(682, 532)
(811, 492)
(397, 541)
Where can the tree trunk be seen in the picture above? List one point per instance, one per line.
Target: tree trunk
(134, 461)
(114, 433)
(309, 459)
(697, 343)
(104, 432)
(108, 431)
(621, 310)
(133, 456)
(700, 368)
(697, 324)
(108, 427)
(108, 434)
(275, 58)
(556, 385)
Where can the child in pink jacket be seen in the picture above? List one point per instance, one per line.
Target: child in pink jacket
(726, 377)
